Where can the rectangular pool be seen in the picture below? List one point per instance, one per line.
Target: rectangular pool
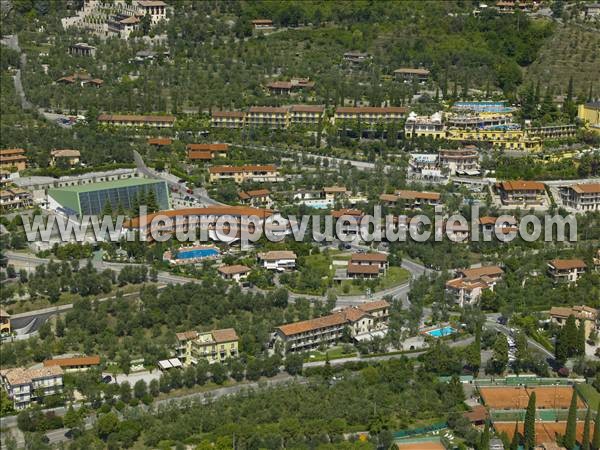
(440, 332)
(197, 253)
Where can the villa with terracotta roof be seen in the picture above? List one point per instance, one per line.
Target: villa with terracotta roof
(160, 142)
(581, 197)
(360, 320)
(521, 193)
(367, 265)
(213, 346)
(256, 197)
(279, 260)
(136, 120)
(13, 159)
(468, 286)
(582, 314)
(74, 364)
(566, 270)
(15, 198)
(408, 75)
(69, 156)
(237, 272)
(25, 385)
(206, 151)
(239, 174)
(291, 86)
(411, 199)
(262, 25)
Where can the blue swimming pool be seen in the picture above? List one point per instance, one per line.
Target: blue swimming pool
(318, 204)
(197, 253)
(490, 107)
(440, 332)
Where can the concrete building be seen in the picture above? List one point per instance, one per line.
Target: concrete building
(306, 114)
(328, 330)
(15, 198)
(424, 126)
(279, 260)
(228, 119)
(408, 75)
(566, 270)
(236, 272)
(367, 265)
(370, 115)
(581, 197)
(589, 113)
(68, 156)
(583, 314)
(463, 161)
(521, 193)
(239, 174)
(82, 49)
(13, 159)
(136, 120)
(25, 385)
(90, 199)
(74, 364)
(268, 117)
(214, 346)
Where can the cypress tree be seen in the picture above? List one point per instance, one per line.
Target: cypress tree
(514, 444)
(596, 437)
(571, 431)
(484, 443)
(585, 445)
(529, 427)
(581, 339)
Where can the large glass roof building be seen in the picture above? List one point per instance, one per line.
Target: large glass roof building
(90, 199)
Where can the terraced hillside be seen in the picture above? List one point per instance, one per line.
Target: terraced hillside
(573, 50)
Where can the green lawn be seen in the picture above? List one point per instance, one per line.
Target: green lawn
(589, 394)
(333, 353)
(393, 277)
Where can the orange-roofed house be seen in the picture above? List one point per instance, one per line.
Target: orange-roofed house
(367, 265)
(469, 285)
(566, 270)
(75, 364)
(581, 197)
(160, 142)
(13, 159)
(582, 314)
(239, 174)
(236, 272)
(255, 197)
(213, 346)
(363, 320)
(520, 192)
(335, 192)
(416, 199)
(408, 74)
(206, 151)
(68, 156)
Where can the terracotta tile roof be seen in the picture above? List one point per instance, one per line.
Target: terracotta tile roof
(65, 153)
(580, 312)
(379, 257)
(71, 362)
(360, 269)
(331, 320)
(236, 114)
(186, 335)
(521, 185)
(232, 270)
(409, 70)
(308, 108)
(347, 212)
(567, 264)
(248, 168)
(335, 189)
(262, 22)
(353, 314)
(134, 118)
(13, 158)
(388, 197)
(482, 271)
(590, 188)
(466, 284)
(410, 195)
(217, 147)
(160, 141)
(371, 110)
(224, 335)
(12, 151)
(487, 220)
(235, 211)
(245, 195)
(277, 254)
(201, 155)
(268, 110)
(19, 375)
(280, 85)
(374, 306)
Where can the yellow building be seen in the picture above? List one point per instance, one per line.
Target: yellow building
(506, 140)
(590, 114)
(4, 322)
(212, 346)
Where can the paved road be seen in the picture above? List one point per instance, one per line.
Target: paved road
(492, 324)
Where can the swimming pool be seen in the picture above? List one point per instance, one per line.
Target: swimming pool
(490, 107)
(197, 253)
(319, 204)
(440, 332)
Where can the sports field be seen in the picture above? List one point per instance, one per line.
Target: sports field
(544, 431)
(547, 397)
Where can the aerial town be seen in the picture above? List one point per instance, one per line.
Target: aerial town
(268, 224)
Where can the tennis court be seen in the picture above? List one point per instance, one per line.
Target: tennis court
(547, 397)
(544, 431)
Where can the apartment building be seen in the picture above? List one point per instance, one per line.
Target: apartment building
(424, 126)
(589, 113)
(306, 114)
(408, 75)
(206, 152)
(476, 121)
(268, 117)
(553, 131)
(510, 140)
(411, 199)
(279, 260)
(519, 192)
(581, 197)
(256, 197)
(237, 272)
(214, 346)
(25, 385)
(239, 174)
(367, 265)
(228, 119)
(566, 270)
(463, 161)
(4, 177)
(5, 327)
(13, 159)
(75, 364)
(585, 315)
(15, 198)
(468, 286)
(360, 320)
(82, 49)
(156, 9)
(66, 156)
(351, 224)
(135, 120)
(370, 115)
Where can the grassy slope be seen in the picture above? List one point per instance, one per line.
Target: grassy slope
(572, 51)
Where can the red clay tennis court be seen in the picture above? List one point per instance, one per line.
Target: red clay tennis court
(547, 397)
(544, 431)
